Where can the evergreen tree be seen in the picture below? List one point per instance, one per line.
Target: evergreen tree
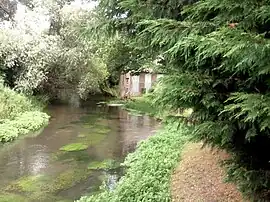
(216, 57)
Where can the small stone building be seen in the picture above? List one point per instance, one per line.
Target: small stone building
(137, 84)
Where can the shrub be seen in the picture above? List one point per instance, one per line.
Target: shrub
(13, 103)
(22, 124)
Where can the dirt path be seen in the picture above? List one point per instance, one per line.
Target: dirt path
(199, 177)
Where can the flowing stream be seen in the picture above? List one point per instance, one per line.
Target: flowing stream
(79, 149)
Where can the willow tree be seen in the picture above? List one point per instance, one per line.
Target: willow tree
(216, 57)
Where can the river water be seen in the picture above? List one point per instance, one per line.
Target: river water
(38, 168)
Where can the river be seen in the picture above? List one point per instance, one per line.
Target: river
(38, 167)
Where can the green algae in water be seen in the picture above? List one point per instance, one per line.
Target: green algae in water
(28, 184)
(74, 147)
(44, 188)
(73, 157)
(96, 165)
(10, 197)
(102, 130)
(68, 179)
(104, 165)
(81, 135)
(92, 138)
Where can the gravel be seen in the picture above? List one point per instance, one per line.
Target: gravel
(199, 177)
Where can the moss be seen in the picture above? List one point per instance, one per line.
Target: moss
(74, 147)
(10, 197)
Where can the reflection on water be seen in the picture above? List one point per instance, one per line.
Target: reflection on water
(110, 133)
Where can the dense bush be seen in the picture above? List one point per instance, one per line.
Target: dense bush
(22, 124)
(36, 59)
(19, 114)
(149, 168)
(13, 103)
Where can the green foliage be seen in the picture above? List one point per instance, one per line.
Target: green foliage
(149, 168)
(216, 61)
(142, 105)
(22, 124)
(51, 59)
(19, 115)
(12, 103)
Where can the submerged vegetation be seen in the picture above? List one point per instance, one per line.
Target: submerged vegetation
(74, 147)
(42, 187)
(103, 165)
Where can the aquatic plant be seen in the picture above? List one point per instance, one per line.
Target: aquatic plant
(149, 168)
(8, 197)
(106, 164)
(94, 137)
(44, 187)
(74, 147)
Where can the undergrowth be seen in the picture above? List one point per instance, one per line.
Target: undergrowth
(149, 168)
(13, 103)
(21, 125)
(19, 114)
(143, 105)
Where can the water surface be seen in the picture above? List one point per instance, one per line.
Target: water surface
(34, 168)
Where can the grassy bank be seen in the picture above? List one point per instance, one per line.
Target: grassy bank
(149, 168)
(140, 105)
(19, 115)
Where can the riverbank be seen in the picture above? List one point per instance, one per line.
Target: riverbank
(149, 168)
(138, 105)
(19, 115)
(186, 177)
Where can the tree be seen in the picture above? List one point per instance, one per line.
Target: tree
(7, 9)
(35, 60)
(216, 57)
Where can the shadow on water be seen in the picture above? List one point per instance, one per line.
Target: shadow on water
(80, 148)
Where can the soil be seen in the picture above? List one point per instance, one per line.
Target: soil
(199, 177)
